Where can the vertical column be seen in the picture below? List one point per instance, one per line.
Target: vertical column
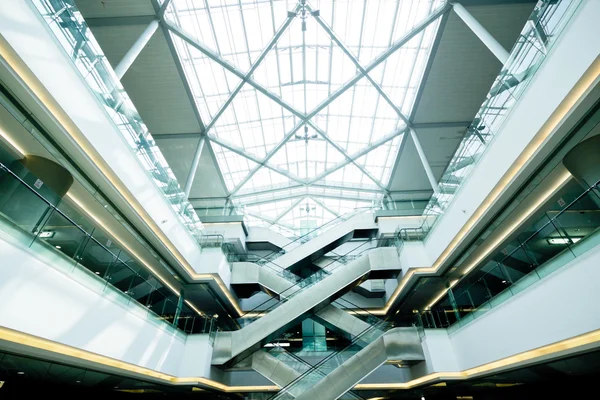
(428, 171)
(488, 40)
(136, 49)
(195, 161)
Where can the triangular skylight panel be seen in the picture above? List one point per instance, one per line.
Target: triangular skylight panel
(358, 117)
(233, 166)
(210, 83)
(305, 66)
(400, 74)
(368, 30)
(236, 32)
(349, 175)
(254, 122)
(306, 155)
(380, 161)
(265, 178)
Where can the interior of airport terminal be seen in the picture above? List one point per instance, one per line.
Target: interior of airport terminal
(299, 199)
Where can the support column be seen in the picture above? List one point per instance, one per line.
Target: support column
(136, 49)
(428, 171)
(195, 161)
(488, 40)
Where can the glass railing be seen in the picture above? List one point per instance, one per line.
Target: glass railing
(402, 235)
(298, 287)
(544, 246)
(64, 231)
(74, 36)
(531, 48)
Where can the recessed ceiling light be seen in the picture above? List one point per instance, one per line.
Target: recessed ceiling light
(58, 247)
(97, 273)
(21, 373)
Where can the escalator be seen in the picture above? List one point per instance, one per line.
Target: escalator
(338, 373)
(305, 297)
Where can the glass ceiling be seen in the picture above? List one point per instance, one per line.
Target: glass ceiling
(303, 101)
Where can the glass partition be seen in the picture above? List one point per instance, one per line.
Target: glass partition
(66, 232)
(72, 33)
(531, 48)
(541, 247)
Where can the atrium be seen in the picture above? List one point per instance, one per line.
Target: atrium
(299, 199)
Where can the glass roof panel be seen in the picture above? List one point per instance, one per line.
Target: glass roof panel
(358, 117)
(305, 67)
(254, 122)
(368, 31)
(307, 155)
(233, 166)
(236, 30)
(305, 73)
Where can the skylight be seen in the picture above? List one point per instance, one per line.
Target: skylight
(304, 101)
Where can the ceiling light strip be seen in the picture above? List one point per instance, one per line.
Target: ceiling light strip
(581, 342)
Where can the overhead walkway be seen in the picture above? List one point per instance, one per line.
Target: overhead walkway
(297, 301)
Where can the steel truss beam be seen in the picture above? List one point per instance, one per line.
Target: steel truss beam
(363, 71)
(305, 195)
(391, 50)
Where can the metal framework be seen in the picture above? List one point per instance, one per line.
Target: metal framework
(247, 82)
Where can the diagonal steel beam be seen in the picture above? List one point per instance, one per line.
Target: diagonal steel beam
(287, 210)
(319, 202)
(358, 65)
(252, 69)
(305, 195)
(345, 154)
(361, 153)
(215, 57)
(239, 151)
